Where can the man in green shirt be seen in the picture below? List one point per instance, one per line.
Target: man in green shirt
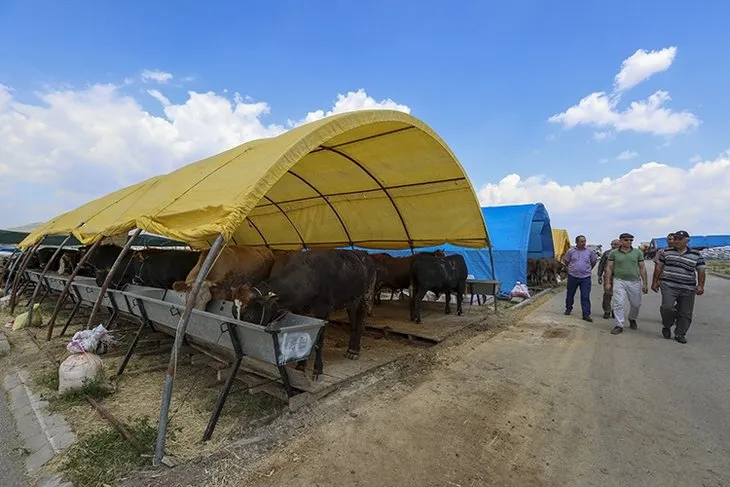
(626, 278)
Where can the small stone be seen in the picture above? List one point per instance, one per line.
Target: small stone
(169, 462)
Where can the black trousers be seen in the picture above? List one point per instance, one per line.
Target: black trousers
(677, 304)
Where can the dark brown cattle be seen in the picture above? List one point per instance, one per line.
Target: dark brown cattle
(234, 266)
(281, 258)
(394, 273)
(438, 274)
(313, 283)
(532, 271)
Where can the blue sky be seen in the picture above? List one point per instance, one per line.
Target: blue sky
(485, 75)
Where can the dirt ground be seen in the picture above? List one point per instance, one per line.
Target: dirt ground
(551, 401)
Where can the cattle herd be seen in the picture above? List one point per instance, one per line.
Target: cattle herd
(263, 283)
(542, 272)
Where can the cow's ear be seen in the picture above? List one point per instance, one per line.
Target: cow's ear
(179, 286)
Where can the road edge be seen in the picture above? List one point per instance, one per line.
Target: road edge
(43, 434)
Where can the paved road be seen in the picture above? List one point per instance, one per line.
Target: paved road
(554, 401)
(12, 472)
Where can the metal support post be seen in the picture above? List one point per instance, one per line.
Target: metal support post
(67, 287)
(21, 271)
(179, 335)
(145, 322)
(223, 394)
(41, 278)
(109, 276)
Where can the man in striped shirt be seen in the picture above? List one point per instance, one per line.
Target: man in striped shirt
(681, 271)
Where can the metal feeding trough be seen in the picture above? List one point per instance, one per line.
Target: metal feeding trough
(288, 339)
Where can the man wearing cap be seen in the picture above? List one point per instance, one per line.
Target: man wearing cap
(615, 243)
(626, 278)
(580, 261)
(680, 274)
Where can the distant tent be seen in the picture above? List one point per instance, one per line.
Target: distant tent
(12, 237)
(561, 242)
(517, 232)
(695, 241)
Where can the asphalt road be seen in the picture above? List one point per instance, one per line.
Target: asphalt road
(553, 401)
(12, 471)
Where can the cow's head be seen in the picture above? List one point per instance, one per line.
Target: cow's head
(252, 305)
(204, 295)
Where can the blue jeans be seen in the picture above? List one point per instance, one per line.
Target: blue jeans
(584, 283)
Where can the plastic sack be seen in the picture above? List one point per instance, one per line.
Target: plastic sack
(77, 369)
(21, 321)
(95, 341)
(520, 291)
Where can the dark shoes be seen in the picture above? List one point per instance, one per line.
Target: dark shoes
(666, 332)
(680, 338)
(633, 325)
(567, 312)
(606, 315)
(587, 318)
(617, 329)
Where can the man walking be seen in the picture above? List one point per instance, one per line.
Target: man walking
(626, 278)
(580, 262)
(615, 243)
(675, 275)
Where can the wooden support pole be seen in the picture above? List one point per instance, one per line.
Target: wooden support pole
(45, 270)
(67, 287)
(179, 335)
(109, 276)
(21, 270)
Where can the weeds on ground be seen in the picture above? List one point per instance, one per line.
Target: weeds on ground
(720, 266)
(95, 389)
(104, 456)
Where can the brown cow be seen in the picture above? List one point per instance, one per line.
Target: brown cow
(234, 266)
(532, 272)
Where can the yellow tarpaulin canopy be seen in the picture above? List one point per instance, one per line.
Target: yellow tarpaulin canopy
(561, 242)
(371, 178)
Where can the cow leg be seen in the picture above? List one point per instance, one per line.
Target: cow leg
(416, 301)
(356, 315)
(447, 308)
(302, 364)
(318, 362)
(412, 304)
(460, 297)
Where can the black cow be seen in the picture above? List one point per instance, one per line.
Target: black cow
(150, 267)
(439, 275)
(313, 283)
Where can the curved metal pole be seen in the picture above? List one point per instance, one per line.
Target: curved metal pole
(21, 270)
(46, 268)
(179, 335)
(67, 287)
(11, 272)
(109, 276)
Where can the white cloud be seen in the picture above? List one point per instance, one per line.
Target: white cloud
(603, 161)
(74, 145)
(626, 155)
(602, 110)
(648, 201)
(643, 64)
(156, 76)
(602, 135)
(353, 100)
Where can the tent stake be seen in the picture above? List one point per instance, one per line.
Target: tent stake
(179, 335)
(109, 276)
(21, 270)
(67, 287)
(45, 270)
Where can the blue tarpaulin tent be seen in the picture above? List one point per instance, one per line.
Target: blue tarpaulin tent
(517, 232)
(695, 241)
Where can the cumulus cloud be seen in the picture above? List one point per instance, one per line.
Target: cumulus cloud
(353, 100)
(642, 65)
(75, 145)
(648, 201)
(155, 76)
(626, 155)
(601, 109)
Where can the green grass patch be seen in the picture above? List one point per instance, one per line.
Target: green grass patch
(105, 456)
(719, 266)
